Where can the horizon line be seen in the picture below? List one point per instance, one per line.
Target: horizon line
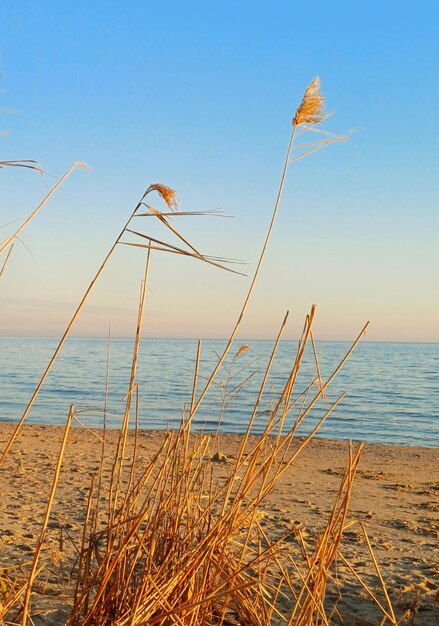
(125, 337)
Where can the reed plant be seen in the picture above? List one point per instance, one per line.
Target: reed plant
(7, 245)
(173, 542)
(180, 547)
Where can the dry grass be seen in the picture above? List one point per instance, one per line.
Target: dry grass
(178, 547)
(9, 242)
(12, 589)
(172, 545)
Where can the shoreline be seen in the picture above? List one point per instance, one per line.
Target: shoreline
(395, 494)
(158, 431)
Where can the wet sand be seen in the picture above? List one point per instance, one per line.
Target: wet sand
(396, 494)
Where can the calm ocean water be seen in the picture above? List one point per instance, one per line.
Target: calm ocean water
(392, 395)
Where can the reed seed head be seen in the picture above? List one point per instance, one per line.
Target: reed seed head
(169, 195)
(242, 350)
(312, 108)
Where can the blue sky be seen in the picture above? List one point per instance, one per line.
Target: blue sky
(200, 96)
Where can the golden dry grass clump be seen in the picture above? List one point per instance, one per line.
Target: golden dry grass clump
(312, 108)
(175, 545)
(182, 548)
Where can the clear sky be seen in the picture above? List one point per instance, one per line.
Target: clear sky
(200, 96)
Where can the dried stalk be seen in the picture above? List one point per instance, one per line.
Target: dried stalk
(46, 519)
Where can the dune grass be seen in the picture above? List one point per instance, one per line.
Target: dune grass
(172, 544)
(179, 547)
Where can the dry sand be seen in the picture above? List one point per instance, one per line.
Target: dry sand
(396, 494)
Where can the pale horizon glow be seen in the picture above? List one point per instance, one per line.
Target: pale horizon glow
(201, 98)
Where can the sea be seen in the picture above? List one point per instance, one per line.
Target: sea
(391, 389)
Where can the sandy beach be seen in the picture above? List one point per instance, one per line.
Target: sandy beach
(396, 495)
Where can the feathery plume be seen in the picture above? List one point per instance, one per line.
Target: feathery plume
(311, 109)
(242, 350)
(168, 195)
